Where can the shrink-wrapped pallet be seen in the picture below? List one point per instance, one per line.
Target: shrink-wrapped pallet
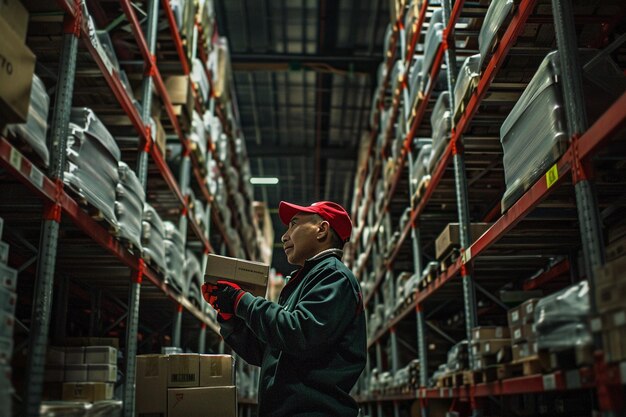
(466, 83)
(441, 124)
(493, 26)
(130, 198)
(91, 168)
(534, 135)
(434, 37)
(152, 238)
(173, 245)
(33, 132)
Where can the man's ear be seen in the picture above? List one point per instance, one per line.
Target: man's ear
(323, 230)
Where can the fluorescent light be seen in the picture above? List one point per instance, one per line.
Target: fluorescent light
(263, 180)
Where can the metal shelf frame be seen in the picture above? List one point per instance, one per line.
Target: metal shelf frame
(57, 202)
(585, 143)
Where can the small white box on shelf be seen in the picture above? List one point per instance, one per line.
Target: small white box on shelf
(101, 373)
(76, 373)
(105, 355)
(74, 355)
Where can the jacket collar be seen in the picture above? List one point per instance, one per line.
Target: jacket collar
(338, 253)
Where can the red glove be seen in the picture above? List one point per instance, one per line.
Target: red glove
(208, 293)
(224, 297)
(228, 295)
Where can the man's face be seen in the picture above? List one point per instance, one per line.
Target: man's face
(300, 240)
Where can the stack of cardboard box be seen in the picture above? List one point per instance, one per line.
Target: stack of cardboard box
(610, 297)
(487, 341)
(17, 63)
(523, 335)
(81, 373)
(180, 92)
(186, 385)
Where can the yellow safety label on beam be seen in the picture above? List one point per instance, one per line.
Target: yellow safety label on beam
(552, 176)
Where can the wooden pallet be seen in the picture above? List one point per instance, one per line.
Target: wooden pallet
(488, 374)
(94, 212)
(524, 367)
(452, 380)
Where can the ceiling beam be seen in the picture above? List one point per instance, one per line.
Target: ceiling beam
(285, 62)
(288, 152)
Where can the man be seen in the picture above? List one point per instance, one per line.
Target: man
(311, 345)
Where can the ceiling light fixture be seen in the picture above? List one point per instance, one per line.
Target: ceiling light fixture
(263, 180)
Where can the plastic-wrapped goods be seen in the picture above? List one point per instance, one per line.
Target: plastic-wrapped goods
(177, 9)
(534, 135)
(213, 125)
(466, 83)
(497, 15)
(192, 273)
(441, 370)
(410, 20)
(404, 219)
(152, 237)
(198, 135)
(174, 255)
(91, 167)
(414, 85)
(198, 76)
(223, 149)
(396, 75)
(389, 292)
(419, 171)
(428, 271)
(434, 37)
(102, 408)
(172, 233)
(219, 62)
(400, 379)
(34, 130)
(130, 197)
(101, 42)
(106, 408)
(441, 123)
(199, 214)
(561, 319)
(458, 357)
(107, 46)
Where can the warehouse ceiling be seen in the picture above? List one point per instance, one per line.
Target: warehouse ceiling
(304, 72)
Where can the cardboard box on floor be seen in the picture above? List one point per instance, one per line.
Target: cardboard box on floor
(17, 64)
(151, 385)
(87, 391)
(250, 276)
(217, 370)
(183, 370)
(155, 373)
(202, 402)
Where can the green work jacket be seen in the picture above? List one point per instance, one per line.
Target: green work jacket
(311, 345)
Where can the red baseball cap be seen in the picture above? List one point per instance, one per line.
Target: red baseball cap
(333, 213)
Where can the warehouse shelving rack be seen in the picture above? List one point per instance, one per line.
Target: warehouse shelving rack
(154, 301)
(575, 163)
